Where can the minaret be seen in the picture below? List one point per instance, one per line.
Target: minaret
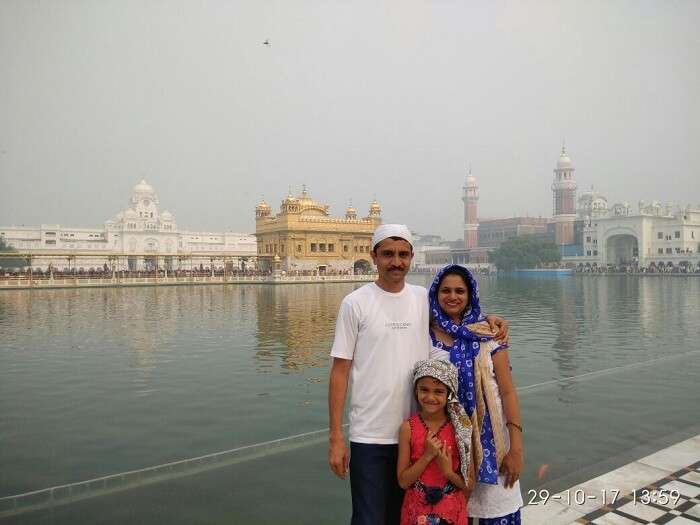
(470, 197)
(564, 193)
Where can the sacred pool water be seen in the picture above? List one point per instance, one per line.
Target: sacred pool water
(96, 382)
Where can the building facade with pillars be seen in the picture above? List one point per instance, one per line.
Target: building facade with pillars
(307, 239)
(654, 237)
(142, 237)
(564, 201)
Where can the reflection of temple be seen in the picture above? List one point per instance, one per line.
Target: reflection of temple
(81, 322)
(306, 238)
(566, 357)
(296, 323)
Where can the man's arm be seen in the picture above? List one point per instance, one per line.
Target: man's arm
(338, 457)
(499, 326)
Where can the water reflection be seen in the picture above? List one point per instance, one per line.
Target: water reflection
(565, 355)
(296, 324)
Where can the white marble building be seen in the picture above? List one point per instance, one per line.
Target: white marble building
(142, 237)
(656, 235)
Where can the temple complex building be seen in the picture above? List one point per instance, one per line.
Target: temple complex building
(596, 234)
(655, 236)
(492, 232)
(141, 238)
(589, 231)
(303, 237)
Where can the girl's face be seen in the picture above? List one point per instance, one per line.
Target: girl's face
(431, 395)
(453, 296)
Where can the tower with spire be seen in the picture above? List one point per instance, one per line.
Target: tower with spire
(470, 197)
(564, 200)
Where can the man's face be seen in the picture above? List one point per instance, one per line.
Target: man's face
(393, 259)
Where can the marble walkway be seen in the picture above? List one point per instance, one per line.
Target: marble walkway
(663, 488)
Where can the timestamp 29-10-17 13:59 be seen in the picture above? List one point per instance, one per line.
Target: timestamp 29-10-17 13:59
(603, 496)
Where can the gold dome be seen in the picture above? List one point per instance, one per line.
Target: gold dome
(263, 209)
(304, 198)
(290, 198)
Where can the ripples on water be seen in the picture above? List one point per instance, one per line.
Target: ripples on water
(97, 381)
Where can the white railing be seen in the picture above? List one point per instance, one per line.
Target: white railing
(86, 282)
(72, 492)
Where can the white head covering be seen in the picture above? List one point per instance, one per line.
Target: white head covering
(391, 230)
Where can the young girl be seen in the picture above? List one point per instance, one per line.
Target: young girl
(435, 450)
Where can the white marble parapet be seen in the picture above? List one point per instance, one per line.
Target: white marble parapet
(663, 487)
(96, 282)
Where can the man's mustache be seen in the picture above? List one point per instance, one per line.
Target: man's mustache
(392, 268)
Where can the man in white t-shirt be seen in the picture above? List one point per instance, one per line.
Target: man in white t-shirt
(380, 333)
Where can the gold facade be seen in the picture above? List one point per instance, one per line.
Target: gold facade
(306, 238)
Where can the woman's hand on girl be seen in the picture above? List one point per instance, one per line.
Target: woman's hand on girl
(512, 466)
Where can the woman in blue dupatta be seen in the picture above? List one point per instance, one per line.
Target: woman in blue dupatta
(487, 392)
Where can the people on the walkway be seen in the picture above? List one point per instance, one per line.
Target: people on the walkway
(381, 332)
(435, 449)
(487, 392)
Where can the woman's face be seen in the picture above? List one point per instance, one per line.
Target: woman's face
(453, 296)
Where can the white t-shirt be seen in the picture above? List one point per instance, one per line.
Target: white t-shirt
(384, 334)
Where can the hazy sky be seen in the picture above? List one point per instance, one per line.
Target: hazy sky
(355, 99)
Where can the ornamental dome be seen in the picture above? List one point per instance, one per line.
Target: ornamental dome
(471, 179)
(263, 209)
(166, 216)
(304, 198)
(130, 214)
(375, 208)
(290, 199)
(143, 187)
(564, 162)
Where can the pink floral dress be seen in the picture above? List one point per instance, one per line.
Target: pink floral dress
(432, 500)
